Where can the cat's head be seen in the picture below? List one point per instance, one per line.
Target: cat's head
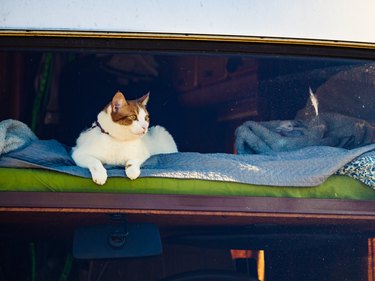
(127, 119)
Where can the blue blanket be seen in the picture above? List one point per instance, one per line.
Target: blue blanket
(14, 135)
(308, 166)
(326, 129)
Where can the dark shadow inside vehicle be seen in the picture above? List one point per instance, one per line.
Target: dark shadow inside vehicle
(201, 95)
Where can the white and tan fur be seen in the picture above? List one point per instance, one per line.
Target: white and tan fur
(121, 136)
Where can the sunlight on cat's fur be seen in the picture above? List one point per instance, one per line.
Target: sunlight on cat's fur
(121, 136)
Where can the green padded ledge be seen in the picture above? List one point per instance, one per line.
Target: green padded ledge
(336, 187)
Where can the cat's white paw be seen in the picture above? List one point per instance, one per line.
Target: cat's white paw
(132, 171)
(99, 175)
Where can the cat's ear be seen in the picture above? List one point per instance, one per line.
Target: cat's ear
(118, 101)
(144, 100)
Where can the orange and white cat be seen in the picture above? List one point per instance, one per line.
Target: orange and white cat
(121, 136)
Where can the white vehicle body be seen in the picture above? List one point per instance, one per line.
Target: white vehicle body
(335, 20)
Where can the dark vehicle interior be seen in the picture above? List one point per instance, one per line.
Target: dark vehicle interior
(201, 91)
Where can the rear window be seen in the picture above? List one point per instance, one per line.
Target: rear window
(200, 91)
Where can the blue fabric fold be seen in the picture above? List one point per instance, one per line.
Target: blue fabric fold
(326, 129)
(14, 135)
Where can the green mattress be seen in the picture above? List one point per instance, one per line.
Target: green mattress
(35, 180)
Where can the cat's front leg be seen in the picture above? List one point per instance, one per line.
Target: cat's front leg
(98, 173)
(96, 168)
(132, 169)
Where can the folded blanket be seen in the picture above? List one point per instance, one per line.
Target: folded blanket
(308, 166)
(14, 135)
(327, 129)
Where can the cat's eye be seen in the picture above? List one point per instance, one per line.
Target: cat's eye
(147, 117)
(133, 117)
